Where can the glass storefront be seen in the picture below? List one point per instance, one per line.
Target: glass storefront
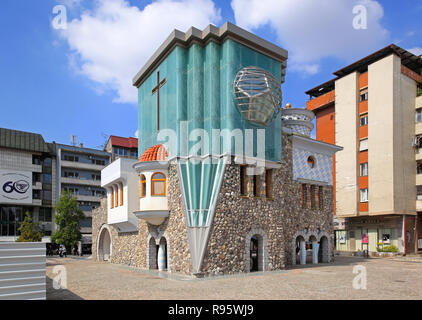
(11, 219)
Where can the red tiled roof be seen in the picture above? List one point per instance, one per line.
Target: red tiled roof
(155, 153)
(124, 142)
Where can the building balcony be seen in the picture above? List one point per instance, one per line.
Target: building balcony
(418, 205)
(36, 202)
(80, 197)
(81, 165)
(37, 186)
(321, 101)
(81, 182)
(419, 179)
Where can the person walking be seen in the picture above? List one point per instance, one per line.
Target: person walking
(64, 251)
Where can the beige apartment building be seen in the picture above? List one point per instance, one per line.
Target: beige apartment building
(373, 109)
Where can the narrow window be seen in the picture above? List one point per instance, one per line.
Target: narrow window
(143, 186)
(158, 184)
(304, 195)
(312, 190)
(364, 95)
(116, 193)
(112, 198)
(256, 186)
(320, 191)
(364, 169)
(363, 195)
(363, 145)
(243, 181)
(268, 182)
(121, 193)
(364, 120)
(419, 115)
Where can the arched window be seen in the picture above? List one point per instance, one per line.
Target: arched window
(112, 198)
(158, 184)
(121, 193)
(143, 186)
(311, 162)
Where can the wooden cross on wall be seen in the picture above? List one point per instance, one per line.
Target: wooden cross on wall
(157, 90)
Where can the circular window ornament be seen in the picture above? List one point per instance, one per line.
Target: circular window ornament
(311, 162)
(257, 95)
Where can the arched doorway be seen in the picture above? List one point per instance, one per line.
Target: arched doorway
(324, 250)
(153, 252)
(162, 255)
(104, 245)
(300, 250)
(254, 254)
(314, 248)
(256, 251)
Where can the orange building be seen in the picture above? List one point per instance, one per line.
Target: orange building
(369, 109)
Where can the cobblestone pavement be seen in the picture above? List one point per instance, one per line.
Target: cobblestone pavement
(388, 278)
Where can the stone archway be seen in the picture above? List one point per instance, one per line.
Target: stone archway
(162, 255)
(324, 250)
(105, 247)
(299, 247)
(257, 238)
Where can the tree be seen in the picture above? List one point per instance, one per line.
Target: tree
(30, 231)
(67, 220)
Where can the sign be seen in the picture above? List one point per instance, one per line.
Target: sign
(342, 239)
(15, 187)
(386, 238)
(365, 239)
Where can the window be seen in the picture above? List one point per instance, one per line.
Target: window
(363, 145)
(419, 193)
(36, 194)
(320, 200)
(121, 193)
(37, 160)
(46, 195)
(70, 174)
(419, 167)
(256, 190)
(134, 154)
(364, 169)
(158, 184)
(363, 195)
(243, 181)
(98, 162)
(311, 162)
(116, 194)
(364, 95)
(36, 177)
(47, 162)
(364, 120)
(143, 186)
(112, 198)
(268, 182)
(419, 115)
(47, 178)
(71, 158)
(73, 191)
(304, 196)
(44, 215)
(312, 197)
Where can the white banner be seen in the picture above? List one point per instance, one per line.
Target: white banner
(15, 187)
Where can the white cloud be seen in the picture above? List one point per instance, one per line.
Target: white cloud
(136, 134)
(311, 30)
(111, 42)
(416, 51)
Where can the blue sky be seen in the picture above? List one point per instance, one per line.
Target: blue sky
(77, 81)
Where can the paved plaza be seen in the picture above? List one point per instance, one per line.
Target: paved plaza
(388, 278)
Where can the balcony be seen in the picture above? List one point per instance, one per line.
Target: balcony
(37, 186)
(321, 101)
(80, 197)
(419, 179)
(36, 202)
(81, 165)
(81, 182)
(418, 205)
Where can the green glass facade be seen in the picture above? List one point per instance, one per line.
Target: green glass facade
(199, 91)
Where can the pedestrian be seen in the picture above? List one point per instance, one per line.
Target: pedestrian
(64, 251)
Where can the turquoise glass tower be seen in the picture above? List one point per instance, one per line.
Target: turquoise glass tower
(187, 91)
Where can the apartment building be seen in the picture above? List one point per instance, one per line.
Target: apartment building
(79, 171)
(373, 108)
(120, 147)
(27, 182)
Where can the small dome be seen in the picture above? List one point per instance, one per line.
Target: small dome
(155, 153)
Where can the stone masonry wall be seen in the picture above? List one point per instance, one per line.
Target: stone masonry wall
(236, 216)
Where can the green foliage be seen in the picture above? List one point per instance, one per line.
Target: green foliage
(67, 220)
(387, 249)
(30, 231)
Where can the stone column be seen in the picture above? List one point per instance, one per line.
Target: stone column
(315, 249)
(302, 252)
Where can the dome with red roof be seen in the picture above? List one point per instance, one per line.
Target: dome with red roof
(155, 153)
